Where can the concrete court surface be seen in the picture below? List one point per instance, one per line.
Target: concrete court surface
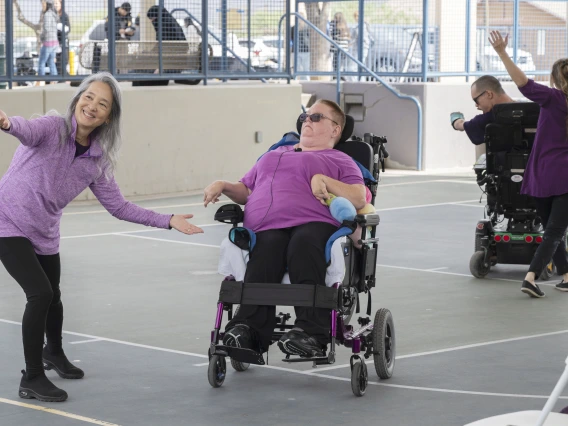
(140, 305)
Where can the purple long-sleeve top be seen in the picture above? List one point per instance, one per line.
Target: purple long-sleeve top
(546, 174)
(44, 176)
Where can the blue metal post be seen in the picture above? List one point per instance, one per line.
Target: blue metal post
(467, 38)
(248, 34)
(295, 44)
(425, 28)
(286, 42)
(160, 50)
(205, 40)
(515, 29)
(111, 38)
(360, 34)
(224, 36)
(9, 43)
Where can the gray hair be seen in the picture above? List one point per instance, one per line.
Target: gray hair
(108, 136)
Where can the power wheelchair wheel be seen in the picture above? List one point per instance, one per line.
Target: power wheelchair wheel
(239, 366)
(384, 343)
(477, 265)
(359, 378)
(217, 370)
(548, 272)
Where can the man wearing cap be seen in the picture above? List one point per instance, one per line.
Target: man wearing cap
(124, 29)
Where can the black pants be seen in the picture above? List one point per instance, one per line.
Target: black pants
(59, 61)
(301, 249)
(39, 278)
(554, 214)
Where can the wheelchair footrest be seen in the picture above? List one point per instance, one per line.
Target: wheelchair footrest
(319, 360)
(242, 354)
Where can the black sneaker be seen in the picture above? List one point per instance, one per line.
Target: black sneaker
(531, 289)
(296, 342)
(238, 337)
(562, 286)
(61, 365)
(40, 388)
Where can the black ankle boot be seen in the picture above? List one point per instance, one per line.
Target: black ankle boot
(40, 388)
(61, 365)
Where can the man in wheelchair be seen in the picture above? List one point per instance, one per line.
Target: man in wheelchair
(285, 193)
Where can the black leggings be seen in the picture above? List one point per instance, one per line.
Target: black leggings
(39, 278)
(554, 214)
(302, 250)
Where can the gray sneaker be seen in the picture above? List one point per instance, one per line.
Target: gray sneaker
(562, 286)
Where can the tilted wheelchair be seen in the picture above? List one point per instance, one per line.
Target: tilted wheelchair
(513, 230)
(372, 338)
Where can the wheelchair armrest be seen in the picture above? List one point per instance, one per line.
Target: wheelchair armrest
(372, 219)
(230, 213)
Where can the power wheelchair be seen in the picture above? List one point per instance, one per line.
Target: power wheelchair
(512, 229)
(373, 337)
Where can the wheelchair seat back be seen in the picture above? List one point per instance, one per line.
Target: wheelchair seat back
(509, 142)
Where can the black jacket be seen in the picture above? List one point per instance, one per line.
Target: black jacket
(64, 20)
(171, 30)
(120, 23)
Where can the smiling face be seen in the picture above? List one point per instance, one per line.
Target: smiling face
(323, 134)
(94, 106)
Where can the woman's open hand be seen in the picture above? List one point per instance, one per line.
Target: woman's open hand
(4, 121)
(498, 42)
(179, 222)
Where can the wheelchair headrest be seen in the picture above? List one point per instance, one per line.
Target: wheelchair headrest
(523, 113)
(345, 134)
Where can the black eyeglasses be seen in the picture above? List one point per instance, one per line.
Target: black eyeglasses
(479, 96)
(314, 118)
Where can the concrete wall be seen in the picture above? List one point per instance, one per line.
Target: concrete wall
(387, 115)
(178, 138)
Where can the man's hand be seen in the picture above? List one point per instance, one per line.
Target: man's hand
(4, 121)
(498, 42)
(179, 222)
(319, 188)
(455, 116)
(212, 193)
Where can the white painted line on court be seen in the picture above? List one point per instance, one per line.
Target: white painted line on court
(427, 205)
(104, 234)
(436, 269)
(57, 412)
(453, 349)
(316, 373)
(201, 365)
(79, 342)
(169, 241)
(453, 391)
(420, 182)
(173, 206)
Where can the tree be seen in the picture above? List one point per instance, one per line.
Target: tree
(35, 27)
(317, 14)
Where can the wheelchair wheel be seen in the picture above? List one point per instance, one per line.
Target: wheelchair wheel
(476, 265)
(359, 378)
(217, 370)
(384, 343)
(548, 272)
(239, 366)
(478, 246)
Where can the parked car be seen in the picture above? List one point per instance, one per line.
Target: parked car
(489, 61)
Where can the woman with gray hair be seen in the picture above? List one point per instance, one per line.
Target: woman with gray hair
(58, 158)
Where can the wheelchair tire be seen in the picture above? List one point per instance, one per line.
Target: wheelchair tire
(359, 378)
(384, 344)
(476, 266)
(478, 246)
(548, 272)
(217, 371)
(239, 366)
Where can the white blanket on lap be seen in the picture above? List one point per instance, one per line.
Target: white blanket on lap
(233, 261)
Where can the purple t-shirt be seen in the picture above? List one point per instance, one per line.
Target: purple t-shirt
(475, 128)
(546, 174)
(280, 183)
(45, 176)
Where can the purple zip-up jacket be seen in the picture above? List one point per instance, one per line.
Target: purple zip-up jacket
(44, 177)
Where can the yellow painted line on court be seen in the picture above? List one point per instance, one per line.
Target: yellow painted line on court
(57, 412)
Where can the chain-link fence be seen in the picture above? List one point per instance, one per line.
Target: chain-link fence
(58, 40)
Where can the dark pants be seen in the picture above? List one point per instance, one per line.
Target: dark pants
(39, 278)
(59, 61)
(301, 249)
(554, 214)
